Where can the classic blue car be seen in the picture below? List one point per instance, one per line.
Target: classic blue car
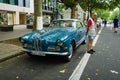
(60, 38)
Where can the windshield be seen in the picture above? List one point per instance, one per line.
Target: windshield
(62, 23)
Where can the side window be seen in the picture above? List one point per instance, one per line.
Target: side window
(79, 24)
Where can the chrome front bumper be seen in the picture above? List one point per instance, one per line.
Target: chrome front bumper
(43, 53)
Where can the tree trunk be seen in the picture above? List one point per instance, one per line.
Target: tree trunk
(90, 11)
(37, 13)
(73, 9)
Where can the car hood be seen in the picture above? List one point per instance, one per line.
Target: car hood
(57, 33)
(50, 34)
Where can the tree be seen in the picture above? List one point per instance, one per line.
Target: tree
(37, 15)
(91, 5)
(114, 4)
(99, 4)
(114, 13)
(72, 5)
(103, 6)
(87, 5)
(104, 14)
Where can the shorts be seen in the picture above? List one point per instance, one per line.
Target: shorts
(91, 37)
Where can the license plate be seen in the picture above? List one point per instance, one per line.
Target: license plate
(38, 53)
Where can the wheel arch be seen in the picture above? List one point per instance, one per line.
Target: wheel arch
(73, 44)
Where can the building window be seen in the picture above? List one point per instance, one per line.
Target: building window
(1, 0)
(16, 2)
(3, 17)
(10, 18)
(20, 3)
(12, 2)
(27, 3)
(24, 3)
(29, 19)
(6, 18)
(6, 1)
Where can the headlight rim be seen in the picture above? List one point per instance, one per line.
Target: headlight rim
(21, 40)
(59, 42)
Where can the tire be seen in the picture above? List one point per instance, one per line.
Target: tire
(28, 53)
(68, 57)
(84, 42)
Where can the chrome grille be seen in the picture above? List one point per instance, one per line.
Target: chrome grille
(37, 44)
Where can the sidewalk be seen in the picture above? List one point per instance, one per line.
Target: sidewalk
(11, 48)
(18, 31)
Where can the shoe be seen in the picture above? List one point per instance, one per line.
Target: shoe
(115, 32)
(92, 50)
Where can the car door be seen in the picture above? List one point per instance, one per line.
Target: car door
(80, 31)
(83, 30)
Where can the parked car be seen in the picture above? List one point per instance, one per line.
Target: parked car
(46, 21)
(60, 38)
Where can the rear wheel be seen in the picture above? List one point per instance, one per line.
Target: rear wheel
(68, 57)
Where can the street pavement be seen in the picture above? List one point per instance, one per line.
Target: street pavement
(19, 30)
(9, 50)
(9, 42)
(104, 64)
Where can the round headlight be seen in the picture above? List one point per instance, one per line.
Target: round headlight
(21, 40)
(59, 42)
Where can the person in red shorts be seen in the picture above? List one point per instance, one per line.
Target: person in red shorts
(91, 31)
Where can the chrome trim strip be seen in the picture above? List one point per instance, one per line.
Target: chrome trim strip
(81, 41)
(44, 52)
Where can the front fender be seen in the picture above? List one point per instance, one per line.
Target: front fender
(68, 42)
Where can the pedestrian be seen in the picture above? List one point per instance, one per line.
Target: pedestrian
(115, 22)
(105, 22)
(91, 32)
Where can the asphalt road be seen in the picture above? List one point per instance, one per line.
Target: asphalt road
(105, 64)
(25, 67)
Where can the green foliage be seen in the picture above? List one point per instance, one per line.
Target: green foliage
(114, 4)
(107, 14)
(61, 7)
(114, 13)
(104, 14)
(93, 4)
(102, 7)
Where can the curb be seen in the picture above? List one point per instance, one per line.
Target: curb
(11, 56)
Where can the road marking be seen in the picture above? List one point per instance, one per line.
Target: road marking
(80, 67)
(76, 75)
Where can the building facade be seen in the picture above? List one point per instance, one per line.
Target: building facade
(15, 11)
(49, 11)
(21, 11)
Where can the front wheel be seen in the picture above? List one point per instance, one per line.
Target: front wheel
(69, 56)
(84, 42)
(28, 53)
